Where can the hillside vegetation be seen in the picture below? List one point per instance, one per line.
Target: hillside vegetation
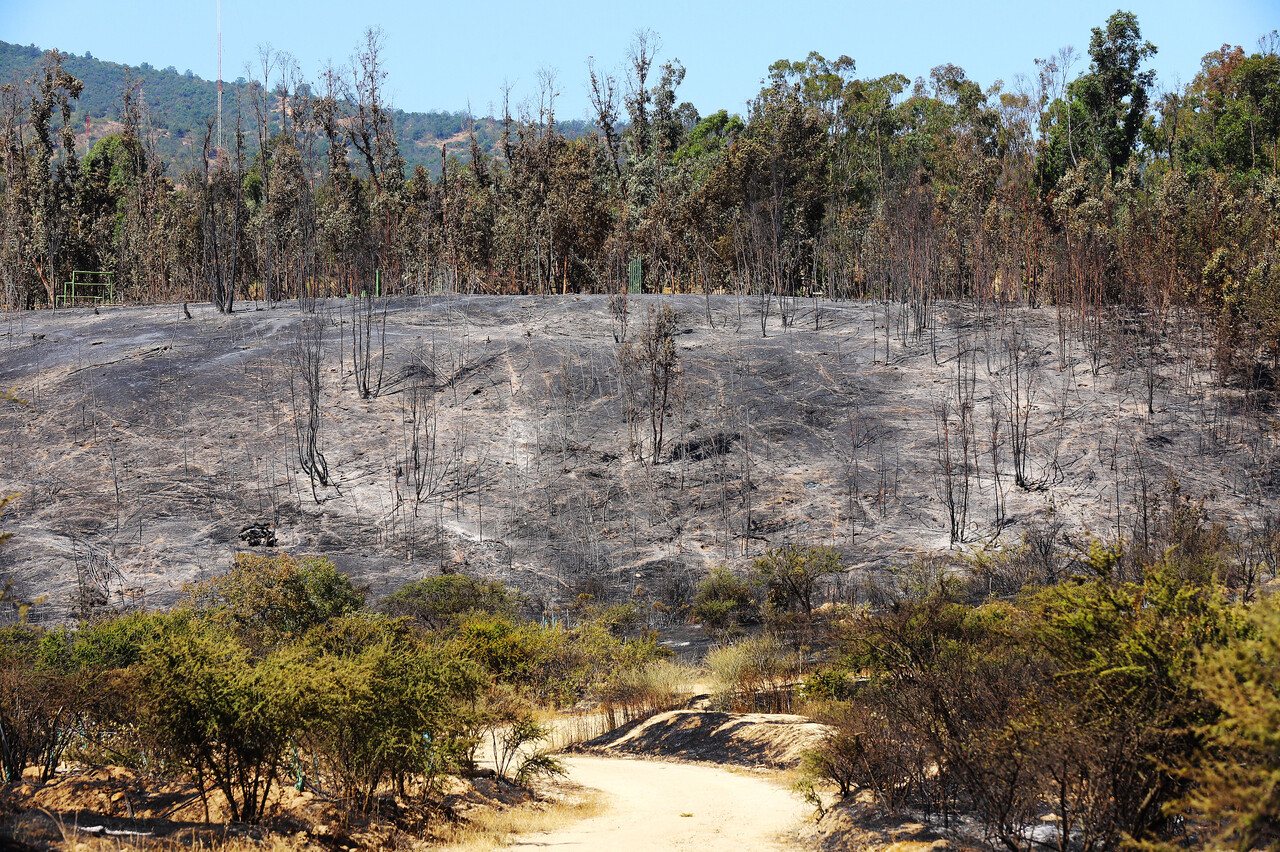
(176, 107)
(1085, 192)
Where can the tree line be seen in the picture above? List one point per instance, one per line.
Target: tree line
(1081, 190)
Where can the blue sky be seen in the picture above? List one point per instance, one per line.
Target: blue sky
(451, 55)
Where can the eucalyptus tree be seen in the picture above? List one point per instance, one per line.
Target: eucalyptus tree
(1103, 110)
(220, 201)
(261, 94)
(39, 174)
(342, 210)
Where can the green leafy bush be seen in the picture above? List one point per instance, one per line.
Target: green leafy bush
(205, 706)
(550, 664)
(440, 603)
(377, 704)
(1236, 778)
(271, 600)
(725, 602)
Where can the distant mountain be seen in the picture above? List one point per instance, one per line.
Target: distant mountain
(180, 102)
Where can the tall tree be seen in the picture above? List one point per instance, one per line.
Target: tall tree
(1110, 100)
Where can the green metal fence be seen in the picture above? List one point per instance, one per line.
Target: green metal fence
(92, 287)
(635, 276)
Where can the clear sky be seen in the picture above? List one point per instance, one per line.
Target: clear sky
(451, 55)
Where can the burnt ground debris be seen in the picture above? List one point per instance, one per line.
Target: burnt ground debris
(150, 443)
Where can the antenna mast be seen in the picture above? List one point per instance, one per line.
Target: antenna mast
(219, 79)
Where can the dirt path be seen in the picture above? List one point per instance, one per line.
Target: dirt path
(651, 805)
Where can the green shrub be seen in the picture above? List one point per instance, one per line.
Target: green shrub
(272, 600)
(550, 665)
(827, 684)
(373, 707)
(439, 603)
(117, 643)
(622, 620)
(1236, 776)
(1081, 700)
(725, 602)
(205, 706)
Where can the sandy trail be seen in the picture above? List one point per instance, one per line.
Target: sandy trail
(652, 805)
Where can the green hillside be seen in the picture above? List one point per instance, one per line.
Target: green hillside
(180, 102)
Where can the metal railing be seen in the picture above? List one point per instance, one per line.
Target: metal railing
(93, 287)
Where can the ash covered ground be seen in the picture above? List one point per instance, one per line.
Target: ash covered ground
(507, 439)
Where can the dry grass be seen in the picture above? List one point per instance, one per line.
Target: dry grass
(484, 828)
(75, 841)
(640, 693)
(493, 829)
(630, 695)
(570, 730)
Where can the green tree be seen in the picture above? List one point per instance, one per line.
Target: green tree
(1229, 116)
(791, 574)
(1104, 109)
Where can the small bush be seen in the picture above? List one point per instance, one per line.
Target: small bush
(791, 576)
(868, 748)
(725, 602)
(377, 705)
(39, 706)
(550, 665)
(441, 603)
(204, 706)
(272, 600)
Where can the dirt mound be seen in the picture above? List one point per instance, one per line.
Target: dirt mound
(114, 791)
(753, 739)
(862, 827)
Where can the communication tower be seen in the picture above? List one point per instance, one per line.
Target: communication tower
(219, 79)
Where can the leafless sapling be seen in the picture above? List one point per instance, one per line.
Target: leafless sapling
(306, 355)
(1021, 379)
(956, 446)
(368, 360)
(421, 464)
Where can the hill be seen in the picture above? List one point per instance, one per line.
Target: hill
(148, 448)
(179, 103)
